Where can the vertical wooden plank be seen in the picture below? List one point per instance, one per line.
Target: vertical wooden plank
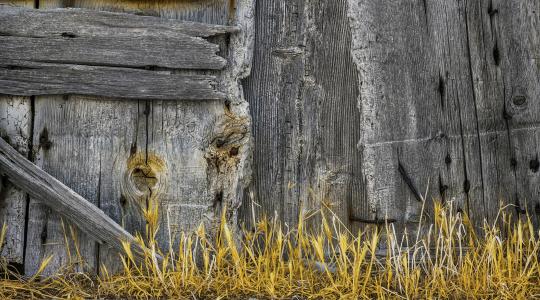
(85, 143)
(15, 127)
(516, 30)
(303, 93)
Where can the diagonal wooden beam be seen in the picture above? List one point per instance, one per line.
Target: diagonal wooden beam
(63, 200)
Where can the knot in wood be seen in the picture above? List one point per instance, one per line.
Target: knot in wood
(144, 178)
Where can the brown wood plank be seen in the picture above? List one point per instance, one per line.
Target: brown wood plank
(63, 200)
(31, 78)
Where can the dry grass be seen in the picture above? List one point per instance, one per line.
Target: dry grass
(447, 260)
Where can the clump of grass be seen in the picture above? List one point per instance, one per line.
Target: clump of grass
(446, 258)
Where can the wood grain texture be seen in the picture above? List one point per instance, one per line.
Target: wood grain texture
(16, 126)
(30, 78)
(439, 80)
(303, 94)
(104, 44)
(17, 21)
(64, 201)
(185, 147)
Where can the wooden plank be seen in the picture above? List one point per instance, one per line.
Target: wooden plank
(63, 200)
(15, 125)
(135, 51)
(205, 146)
(18, 21)
(303, 93)
(30, 78)
(86, 143)
(516, 36)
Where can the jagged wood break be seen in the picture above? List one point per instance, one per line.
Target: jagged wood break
(106, 54)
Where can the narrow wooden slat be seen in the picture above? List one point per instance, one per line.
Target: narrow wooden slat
(63, 200)
(135, 51)
(29, 78)
(86, 22)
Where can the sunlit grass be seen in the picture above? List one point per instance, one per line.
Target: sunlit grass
(444, 259)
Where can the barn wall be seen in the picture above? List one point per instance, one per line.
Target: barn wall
(377, 105)
(364, 107)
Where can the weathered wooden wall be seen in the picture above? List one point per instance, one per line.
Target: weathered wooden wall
(189, 156)
(368, 107)
(371, 104)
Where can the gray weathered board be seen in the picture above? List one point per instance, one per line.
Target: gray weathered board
(372, 103)
(79, 51)
(189, 156)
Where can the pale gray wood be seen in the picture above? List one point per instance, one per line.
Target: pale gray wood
(104, 138)
(303, 95)
(205, 146)
(15, 125)
(30, 78)
(438, 79)
(107, 131)
(63, 200)
(58, 22)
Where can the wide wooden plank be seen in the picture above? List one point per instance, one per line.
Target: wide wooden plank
(63, 200)
(19, 21)
(303, 94)
(30, 78)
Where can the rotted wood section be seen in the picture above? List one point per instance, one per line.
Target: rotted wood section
(80, 51)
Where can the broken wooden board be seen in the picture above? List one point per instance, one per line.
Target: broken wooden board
(28, 78)
(60, 198)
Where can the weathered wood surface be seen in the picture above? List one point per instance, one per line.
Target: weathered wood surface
(64, 201)
(22, 38)
(450, 90)
(15, 125)
(18, 21)
(184, 146)
(444, 100)
(303, 94)
(26, 78)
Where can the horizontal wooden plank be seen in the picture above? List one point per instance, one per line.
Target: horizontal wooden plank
(136, 52)
(60, 37)
(85, 22)
(63, 200)
(30, 78)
